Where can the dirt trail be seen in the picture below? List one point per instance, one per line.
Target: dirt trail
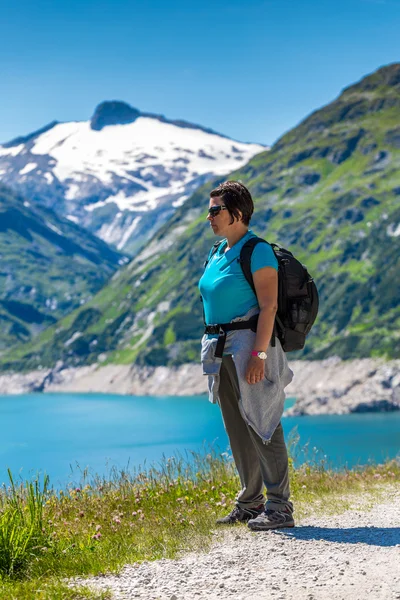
(354, 555)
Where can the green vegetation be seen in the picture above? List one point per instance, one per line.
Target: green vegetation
(49, 266)
(328, 190)
(47, 589)
(48, 535)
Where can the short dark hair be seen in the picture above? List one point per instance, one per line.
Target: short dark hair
(236, 197)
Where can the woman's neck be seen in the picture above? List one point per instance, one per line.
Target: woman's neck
(234, 237)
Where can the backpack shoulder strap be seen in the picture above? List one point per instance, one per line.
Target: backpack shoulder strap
(245, 262)
(245, 258)
(212, 252)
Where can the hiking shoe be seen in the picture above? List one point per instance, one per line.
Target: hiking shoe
(272, 519)
(242, 515)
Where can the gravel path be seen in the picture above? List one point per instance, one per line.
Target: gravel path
(355, 555)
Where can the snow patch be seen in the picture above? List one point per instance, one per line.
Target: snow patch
(72, 192)
(393, 231)
(13, 151)
(179, 202)
(92, 207)
(128, 232)
(164, 306)
(28, 168)
(53, 228)
(73, 337)
(110, 232)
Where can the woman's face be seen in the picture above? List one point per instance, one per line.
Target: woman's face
(219, 219)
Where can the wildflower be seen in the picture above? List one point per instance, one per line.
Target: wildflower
(81, 514)
(98, 527)
(116, 520)
(96, 536)
(377, 476)
(77, 490)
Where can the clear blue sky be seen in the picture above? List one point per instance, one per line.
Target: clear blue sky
(251, 69)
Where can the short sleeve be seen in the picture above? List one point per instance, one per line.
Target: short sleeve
(263, 256)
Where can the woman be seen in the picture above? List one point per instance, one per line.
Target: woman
(247, 378)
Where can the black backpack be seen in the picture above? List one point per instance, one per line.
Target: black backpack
(297, 294)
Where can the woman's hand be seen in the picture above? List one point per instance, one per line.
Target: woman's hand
(255, 370)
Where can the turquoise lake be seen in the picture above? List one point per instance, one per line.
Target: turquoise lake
(53, 433)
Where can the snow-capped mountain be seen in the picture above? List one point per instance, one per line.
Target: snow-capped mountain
(121, 174)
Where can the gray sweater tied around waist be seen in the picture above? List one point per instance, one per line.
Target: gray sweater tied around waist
(261, 404)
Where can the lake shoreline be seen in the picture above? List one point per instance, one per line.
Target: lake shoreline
(330, 386)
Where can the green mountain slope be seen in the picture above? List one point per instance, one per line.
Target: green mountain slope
(329, 190)
(48, 267)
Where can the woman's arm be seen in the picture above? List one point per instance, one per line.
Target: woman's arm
(266, 284)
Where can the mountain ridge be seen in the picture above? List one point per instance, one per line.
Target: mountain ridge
(49, 266)
(326, 190)
(118, 112)
(119, 181)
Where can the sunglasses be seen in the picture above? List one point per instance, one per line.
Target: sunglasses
(213, 211)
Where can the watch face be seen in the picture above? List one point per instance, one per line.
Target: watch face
(262, 355)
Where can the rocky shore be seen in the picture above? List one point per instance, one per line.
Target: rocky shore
(330, 386)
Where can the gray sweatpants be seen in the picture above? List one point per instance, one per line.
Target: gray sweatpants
(258, 464)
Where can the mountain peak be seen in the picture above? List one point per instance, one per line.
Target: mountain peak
(113, 112)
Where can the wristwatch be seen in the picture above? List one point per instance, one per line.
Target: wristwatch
(262, 355)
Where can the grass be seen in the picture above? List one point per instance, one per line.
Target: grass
(50, 589)
(47, 535)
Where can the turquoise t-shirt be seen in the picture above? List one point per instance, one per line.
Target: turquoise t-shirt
(223, 286)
